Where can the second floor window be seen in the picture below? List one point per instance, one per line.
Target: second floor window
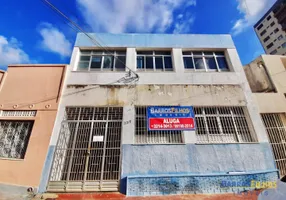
(102, 61)
(205, 61)
(154, 61)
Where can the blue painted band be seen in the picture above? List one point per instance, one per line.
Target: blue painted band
(202, 175)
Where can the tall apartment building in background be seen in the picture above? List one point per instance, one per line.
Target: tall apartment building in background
(100, 140)
(271, 29)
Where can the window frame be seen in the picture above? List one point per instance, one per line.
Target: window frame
(102, 54)
(252, 137)
(203, 56)
(27, 138)
(154, 56)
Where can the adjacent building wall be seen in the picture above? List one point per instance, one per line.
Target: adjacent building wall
(30, 87)
(266, 76)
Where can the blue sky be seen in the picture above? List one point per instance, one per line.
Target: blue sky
(30, 32)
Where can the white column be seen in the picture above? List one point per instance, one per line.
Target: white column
(178, 62)
(128, 126)
(131, 58)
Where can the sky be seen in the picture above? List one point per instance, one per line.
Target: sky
(30, 32)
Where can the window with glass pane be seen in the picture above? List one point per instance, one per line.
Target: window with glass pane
(108, 62)
(205, 61)
(120, 63)
(199, 63)
(149, 62)
(168, 63)
(188, 62)
(211, 64)
(140, 62)
(102, 60)
(96, 62)
(154, 60)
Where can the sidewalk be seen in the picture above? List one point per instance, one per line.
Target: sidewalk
(113, 196)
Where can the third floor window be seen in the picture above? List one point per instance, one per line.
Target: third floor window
(154, 61)
(205, 61)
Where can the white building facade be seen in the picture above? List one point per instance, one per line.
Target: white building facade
(100, 140)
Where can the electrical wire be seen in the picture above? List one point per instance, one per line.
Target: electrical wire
(83, 31)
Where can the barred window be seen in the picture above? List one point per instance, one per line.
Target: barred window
(143, 136)
(14, 138)
(154, 61)
(222, 125)
(275, 124)
(205, 61)
(102, 60)
(18, 113)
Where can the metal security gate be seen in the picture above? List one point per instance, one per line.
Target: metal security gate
(87, 154)
(276, 128)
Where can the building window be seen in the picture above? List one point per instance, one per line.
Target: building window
(284, 45)
(14, 138)
(222, 125)
(269, 45)
(154, 61)
(268, 18)
(266, 39)
(276, 30)
(143, 136)
(18, 113)
(260, 26)
(273, 52)
(102, 60)
(272, 24)
(205, 61)
(263, 32)
(280, 37)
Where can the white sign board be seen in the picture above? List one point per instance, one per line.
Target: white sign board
(97, 138)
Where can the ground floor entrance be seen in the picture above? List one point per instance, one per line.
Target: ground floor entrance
(276, 129)
(87, 155)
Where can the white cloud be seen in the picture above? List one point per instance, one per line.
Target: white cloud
(131, 15)
(252, 11)
(54, 40)
(11, 52)
(184, 24)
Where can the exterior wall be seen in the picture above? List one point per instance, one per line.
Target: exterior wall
(35, 87)
(168, 88)
(40, 86)
(268, 102)
(27, 171)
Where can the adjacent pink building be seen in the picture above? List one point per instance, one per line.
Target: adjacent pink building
(29, 98)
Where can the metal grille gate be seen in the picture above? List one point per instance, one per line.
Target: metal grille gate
(276, 129)
(87, 155)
